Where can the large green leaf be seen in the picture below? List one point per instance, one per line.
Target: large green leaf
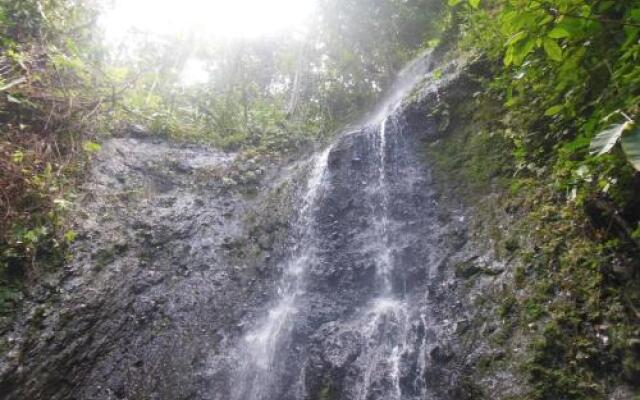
(474, 3)
(605, 140)
(631, 147)
(567, 28)
(552, 49)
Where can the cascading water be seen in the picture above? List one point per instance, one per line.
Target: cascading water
(385, 333)
(351, 320)
(258, 368)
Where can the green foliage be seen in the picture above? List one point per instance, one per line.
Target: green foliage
(565, 85)
(472, 3)
(271, 94)
(50, 95)
(569, 78)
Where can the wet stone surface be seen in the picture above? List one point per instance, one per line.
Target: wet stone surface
(154, 287)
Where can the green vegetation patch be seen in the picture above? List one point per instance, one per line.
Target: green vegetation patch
(573, 296)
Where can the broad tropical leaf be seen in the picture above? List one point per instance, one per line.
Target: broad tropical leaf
(605, 140)
(631, 147)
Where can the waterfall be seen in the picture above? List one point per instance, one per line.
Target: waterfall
(343, 318)
(255, 375)
(384, 260)
(386, 330)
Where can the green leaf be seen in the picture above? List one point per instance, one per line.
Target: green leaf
(516, 38)
(91, 147)
(604, 141)
(30, 236)
(474, 3)
(555, 110)
(559, 32)
(62, 204)
(522, 50)
(631, 147)
(552, 49)
(454, 2)
(508, 57)
(70, 235)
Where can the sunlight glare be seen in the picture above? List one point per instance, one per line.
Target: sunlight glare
(194, 72)
(219, 18)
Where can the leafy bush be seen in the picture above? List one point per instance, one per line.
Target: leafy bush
(48, 100)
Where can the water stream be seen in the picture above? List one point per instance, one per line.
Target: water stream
(259, 347)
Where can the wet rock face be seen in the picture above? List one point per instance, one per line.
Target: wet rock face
(159, 280)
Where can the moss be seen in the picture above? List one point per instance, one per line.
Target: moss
(512, 244)
(10, 296)
(519, 276)
(325, 393)
(104, 257)
(38, 317)
(533, 310)
(507, 305)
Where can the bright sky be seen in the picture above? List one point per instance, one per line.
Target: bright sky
(222, 18)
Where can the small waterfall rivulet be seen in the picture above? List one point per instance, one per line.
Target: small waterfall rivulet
(259, 366)
(351, 319)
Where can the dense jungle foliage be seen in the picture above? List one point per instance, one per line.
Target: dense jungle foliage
(563, 84)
